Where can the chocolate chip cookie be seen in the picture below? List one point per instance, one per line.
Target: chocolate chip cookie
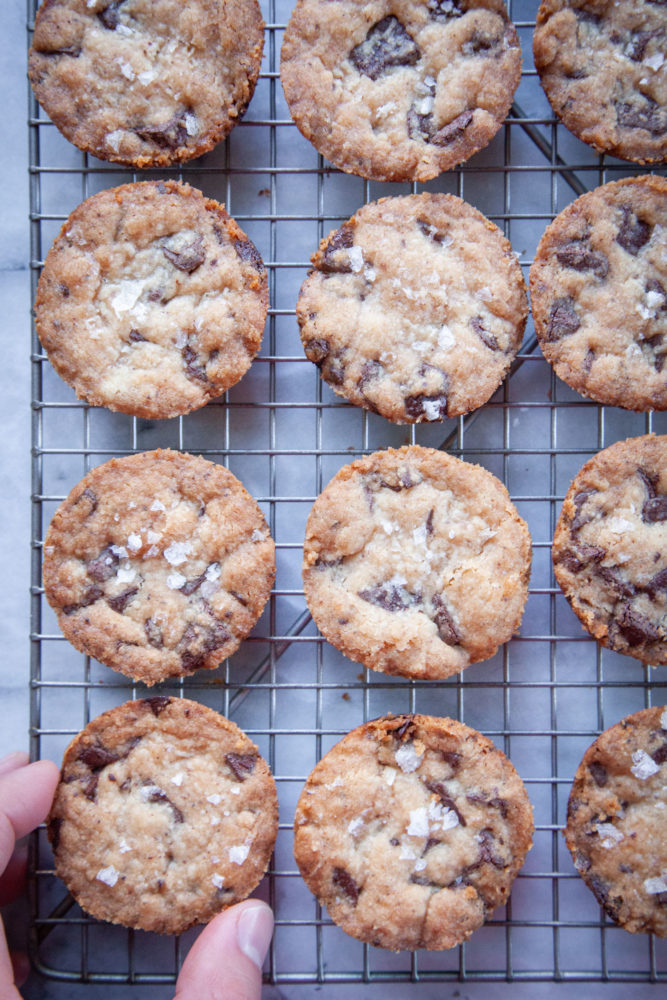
(416, 563)
(599, 294)
(415, 308)
(146, 83)
(158, 564)
(152, 300)
(165, 814)
(411, 831)
(616, 820)
(399, 89)
(602, 65)
(610, 547)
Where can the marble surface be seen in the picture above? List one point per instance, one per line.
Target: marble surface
(15, 581)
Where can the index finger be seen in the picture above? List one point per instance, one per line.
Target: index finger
(26, 795)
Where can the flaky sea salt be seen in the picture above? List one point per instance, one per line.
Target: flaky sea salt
(257, 536)
(114, 139)
(134, 542)
(125, 574)
(157, 505)
(611, 835)
(177, 779)
(390, 776)
(356, 258)
(177, 553)
(175, 580)
(217, 880)
(214, 799)
(238, 853)
(643, 766)
(124, 847)
(655, 885)
(355, 825)
(108, 875)
(407, 758)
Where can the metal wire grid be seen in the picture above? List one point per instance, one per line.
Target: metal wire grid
(285, 434)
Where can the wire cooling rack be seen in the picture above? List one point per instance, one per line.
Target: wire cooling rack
(543, 698)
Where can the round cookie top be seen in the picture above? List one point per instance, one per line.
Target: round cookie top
(602, 66)
(415, 308)
(158, 564)
(146, 82)
(616, 821)
(610, 547)
(411, 831)
(152, 300)
(416, 563)
(399, 89)
(599, 294)
(165, 814)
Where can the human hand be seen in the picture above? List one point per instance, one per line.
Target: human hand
(26, 792)
(225, 962)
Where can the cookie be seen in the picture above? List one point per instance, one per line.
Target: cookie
(146, 83)
(158, 564)
(602, 66)
(152, 300)
(599, 294)
(416, 563)
(411, 831)
(399, 90)
(415, 308)
(616, 821)
(610, 547)
(165, 814)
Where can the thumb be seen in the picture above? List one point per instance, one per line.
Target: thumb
(225, 962)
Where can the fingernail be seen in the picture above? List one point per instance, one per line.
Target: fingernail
(254, 930)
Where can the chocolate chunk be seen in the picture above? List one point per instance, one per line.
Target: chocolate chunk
(90, 596)
(103, 566)
(242, 764)
(110, 16)
(136, 337)
(636, 628)
(626, 869)
(579, 499)
(157, 704)
(90, 789)
(420, 126)
(598, 773)
(97, 756)
(387, 596)
(432, 407)
(189, 258)
(190, 586)
(334, 262)
(657, 584)
(633, 234)
(317, 350)
(447, 630)
(53, 827)
(453, 130)
(74, 51)
(486, 839)
(343, 880)
(647, 116)
(249, 253)
(431, 842)
(386, 45)
(171, 135)
(563, 320)
(370, 370)
(157, 795)
(64, 290)
(636, 48)
(582, 863)
(405, 730)
(429, 522)
(120, 602)
(153, 633)
(485, 336)
(655, 510)
(612, 577)
(91, 496)
(579, 256)
(194, 369)
(334, 370)
(660, 755)
(439, 789)
(198, 641)
(430, 231)
(588, 361)
(480, 42)
(501, 805)
(444, 10)
(452, 758)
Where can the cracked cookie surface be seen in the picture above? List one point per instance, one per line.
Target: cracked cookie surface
(415, 308)
(411, 831)
(399, 89)
(152, 300)
(158, 564)
(602, 66)
(616, 821)
(610, 547)
(599, 294)
(416, 563)
(165, 814)
(146, 83)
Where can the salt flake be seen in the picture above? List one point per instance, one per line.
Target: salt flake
(157, 505)
(177, 779)
(215, 799)
(356, 258)
(655, 885)
(611, 835)
(175, 580)
(217, 880)
(108, 875)
(644, 766)
(407, 758)
(238, 853)
(355, 825)
(177, 553)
